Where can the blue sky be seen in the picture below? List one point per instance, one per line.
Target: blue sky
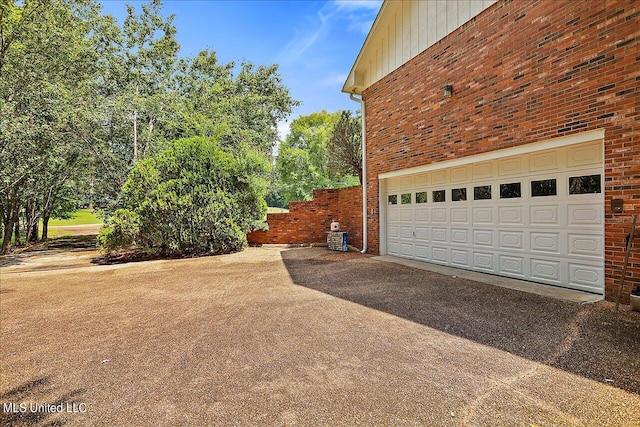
(314, 42)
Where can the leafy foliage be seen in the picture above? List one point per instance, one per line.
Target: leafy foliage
(304, 158)
(194, 197)
(345, 146)
(83, 99)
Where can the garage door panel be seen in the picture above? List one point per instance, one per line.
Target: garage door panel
(545, 242)
(393, 231)
(546, 270)
(510, 215)
(584, 215)
(406, 250)
(422, 252)
(440, 254)
(585, 155)
(545, 161)
(439, 215)
(406, 215)
(422, 233)
(483, 215)
(459, 215)
(406, 232)
(585, 245)
(585, 277)
(439, 234)
(393, 247)
(511, 265)
(422, 215)
(460, 258)
(482, 171)
(440, 177)
(393, 215)
(460, 236)
(546, 215)
(511, 240)
(483, 238)
(483, 261)
(511, 166)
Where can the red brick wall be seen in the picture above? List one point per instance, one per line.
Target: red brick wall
(522, 72)
(307, 222)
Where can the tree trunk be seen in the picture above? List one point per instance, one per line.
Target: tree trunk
(8, 231)
(150, 131)
(135, 137)
(135, 127)
(34, 233)
(31, 223)
(45, 226)
(16, 230)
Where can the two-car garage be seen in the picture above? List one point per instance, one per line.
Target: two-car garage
(534, 213)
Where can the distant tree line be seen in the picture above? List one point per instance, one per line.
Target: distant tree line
(99, 113)
(83, 100)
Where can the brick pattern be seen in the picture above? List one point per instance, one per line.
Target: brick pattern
(308, 222)
(522, 72)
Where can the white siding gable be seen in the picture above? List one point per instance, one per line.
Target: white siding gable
(402, 30)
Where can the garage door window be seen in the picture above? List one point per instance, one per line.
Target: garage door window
(586, 184)
(482, 192)
(438, 196)
(510, 191)
(421, 197)
(405, 199)
(393, 199)
(458, 194)
(545, 187)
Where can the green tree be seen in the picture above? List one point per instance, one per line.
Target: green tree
(46, 68)
(194, 197)
(237, 105)
(345, 146)
(303, 157)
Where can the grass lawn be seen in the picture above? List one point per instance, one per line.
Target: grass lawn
(277, 210)
(80, 217)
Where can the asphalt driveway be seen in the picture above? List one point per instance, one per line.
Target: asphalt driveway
(276, 336)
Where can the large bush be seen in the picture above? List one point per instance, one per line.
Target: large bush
(191, 198)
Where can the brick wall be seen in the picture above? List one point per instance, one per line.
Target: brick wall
(522, 72)
(307, 222)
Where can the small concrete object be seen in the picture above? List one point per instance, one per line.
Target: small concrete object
(335, 226)
(337, 241)
(635, 302)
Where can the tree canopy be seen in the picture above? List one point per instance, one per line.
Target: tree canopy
(313, 155)
(83, 99)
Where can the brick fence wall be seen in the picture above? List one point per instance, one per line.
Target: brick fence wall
(307, 222)
(522, 72)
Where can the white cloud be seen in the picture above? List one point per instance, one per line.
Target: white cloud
(358, 14)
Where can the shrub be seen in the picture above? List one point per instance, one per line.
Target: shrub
(191, 198)
(119, 231)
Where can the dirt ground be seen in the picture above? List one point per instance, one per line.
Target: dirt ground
(277, 336)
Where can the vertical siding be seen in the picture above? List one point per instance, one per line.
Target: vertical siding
(410, 27)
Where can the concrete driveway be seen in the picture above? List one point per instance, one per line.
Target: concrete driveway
(276, 336)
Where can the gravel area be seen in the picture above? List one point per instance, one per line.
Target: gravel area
(279, 336)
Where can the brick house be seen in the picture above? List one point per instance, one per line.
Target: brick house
(499, 135)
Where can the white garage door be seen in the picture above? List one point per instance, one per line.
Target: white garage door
(537, 217)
